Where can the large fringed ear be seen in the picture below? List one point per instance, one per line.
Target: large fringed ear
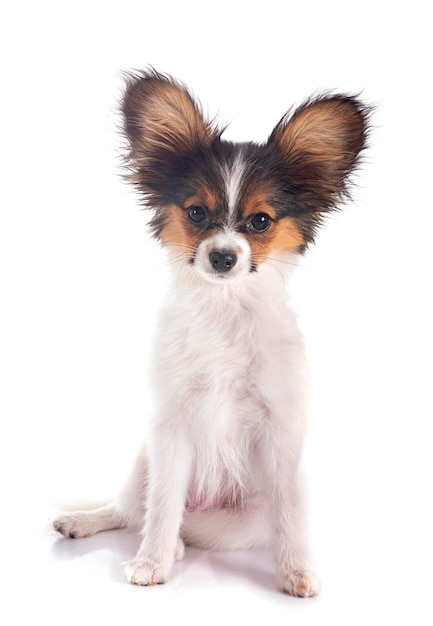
(162, 121)
(320, 144)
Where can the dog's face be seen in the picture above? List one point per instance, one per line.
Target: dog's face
(229, 207)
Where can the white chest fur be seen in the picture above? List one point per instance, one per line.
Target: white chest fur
(228, 360)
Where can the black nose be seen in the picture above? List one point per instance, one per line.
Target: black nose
(222, 261)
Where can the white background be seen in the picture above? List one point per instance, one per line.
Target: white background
(81, 282)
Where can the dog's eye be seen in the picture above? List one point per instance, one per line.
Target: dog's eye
(197, 214)
(260, 222)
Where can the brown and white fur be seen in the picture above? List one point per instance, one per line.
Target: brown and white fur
(221, 468)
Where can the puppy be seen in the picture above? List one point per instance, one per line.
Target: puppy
(221, 469)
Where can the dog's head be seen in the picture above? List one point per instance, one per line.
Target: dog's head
(227, 207)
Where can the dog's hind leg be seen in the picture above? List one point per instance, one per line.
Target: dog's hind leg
(233, 528)
(127, 511)
(84, 523)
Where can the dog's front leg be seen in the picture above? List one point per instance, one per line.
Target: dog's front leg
(279, 465)
(170, 464)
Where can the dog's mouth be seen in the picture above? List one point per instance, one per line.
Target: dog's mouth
(217, 277)
(222, 269)
(223, 258)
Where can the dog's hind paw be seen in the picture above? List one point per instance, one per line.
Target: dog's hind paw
(74, 526)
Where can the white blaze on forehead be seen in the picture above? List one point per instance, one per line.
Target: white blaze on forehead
(233, 179)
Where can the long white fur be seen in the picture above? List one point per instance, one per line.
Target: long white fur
(222, 467)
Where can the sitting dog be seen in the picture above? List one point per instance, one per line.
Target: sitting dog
(221, 468)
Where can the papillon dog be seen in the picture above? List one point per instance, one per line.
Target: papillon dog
(221, 467)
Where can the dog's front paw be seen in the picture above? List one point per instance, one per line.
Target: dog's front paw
(300, 583)
(146, 572)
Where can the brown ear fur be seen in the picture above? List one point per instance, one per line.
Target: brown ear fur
(161, 120)
(320, 146)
